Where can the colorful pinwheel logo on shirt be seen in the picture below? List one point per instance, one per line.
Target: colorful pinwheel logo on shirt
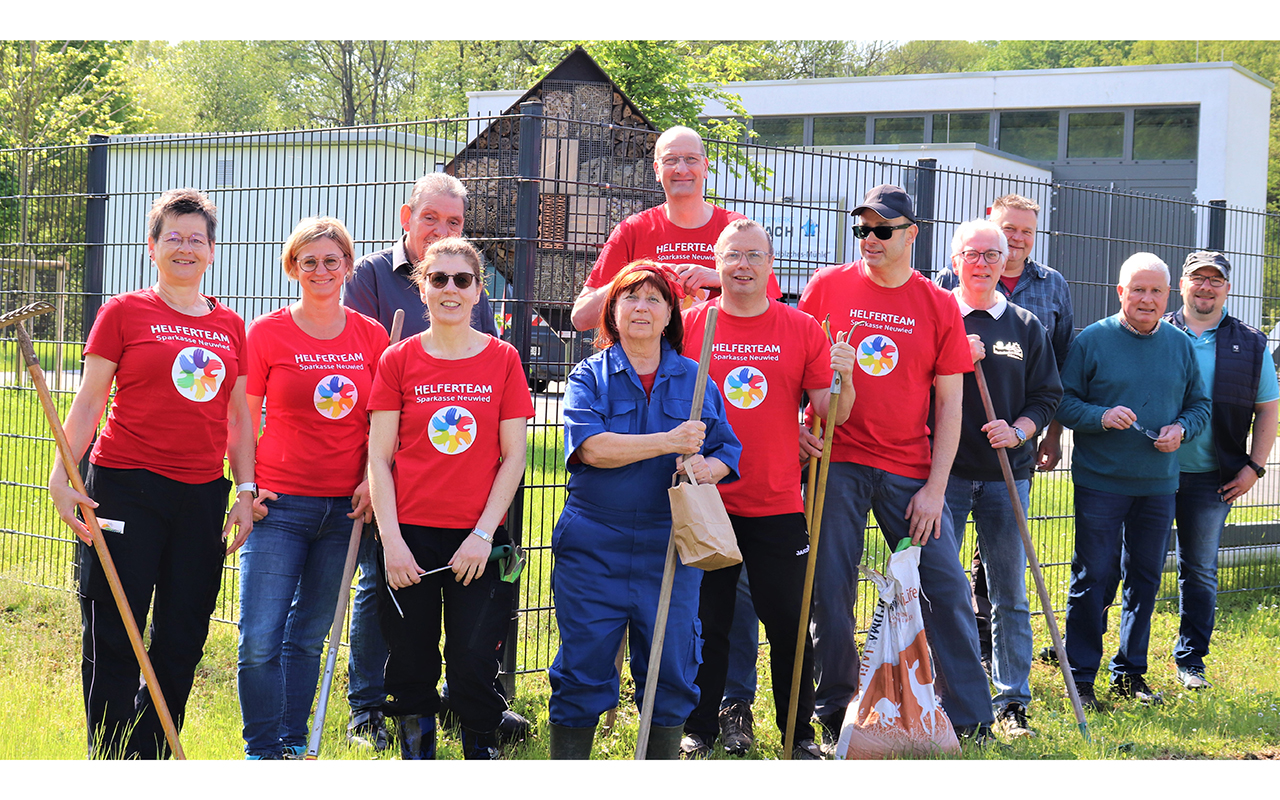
(745, 387)
(335, 396)
(197, 374)
(452, 430)
(877, 355)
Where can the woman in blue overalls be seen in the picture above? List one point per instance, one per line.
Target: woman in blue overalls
(627, 427)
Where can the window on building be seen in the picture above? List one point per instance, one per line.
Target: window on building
(1095, 135)
(829, 131)
(899, 130)
(1030, 134)
(779, 131)
(1165, 133)
(951, 128)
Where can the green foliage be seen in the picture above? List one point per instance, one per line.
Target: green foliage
(1053, 54)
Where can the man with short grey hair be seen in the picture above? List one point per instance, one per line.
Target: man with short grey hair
(1019, 363)
(1132, 393)
(1217, 468)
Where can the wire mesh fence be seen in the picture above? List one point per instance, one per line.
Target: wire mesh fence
(544, 193)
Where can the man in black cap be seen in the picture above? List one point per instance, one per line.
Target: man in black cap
(911, 338)
(1216, 467)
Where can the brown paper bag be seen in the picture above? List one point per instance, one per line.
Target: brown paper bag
(704, 536)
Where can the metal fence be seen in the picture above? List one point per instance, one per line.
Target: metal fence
(544, 194)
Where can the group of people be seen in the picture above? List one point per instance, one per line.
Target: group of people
(423, 440)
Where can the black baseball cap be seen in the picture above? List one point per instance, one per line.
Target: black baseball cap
(889, 202)
(1207, 258)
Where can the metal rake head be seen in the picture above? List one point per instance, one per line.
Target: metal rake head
(26, 312)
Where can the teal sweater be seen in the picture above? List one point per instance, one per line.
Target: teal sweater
(1157, 378)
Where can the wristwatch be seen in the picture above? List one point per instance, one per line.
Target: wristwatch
(1260, 470)
(1022, 437)
(488, 537)
(248, 487)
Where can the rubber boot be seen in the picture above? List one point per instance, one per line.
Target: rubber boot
(571, 743)
(417, 735)
(477, 746)
(664, 743)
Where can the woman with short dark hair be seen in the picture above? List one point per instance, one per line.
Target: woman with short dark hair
(176, 357)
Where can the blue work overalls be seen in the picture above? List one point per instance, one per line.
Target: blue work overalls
(611, 539)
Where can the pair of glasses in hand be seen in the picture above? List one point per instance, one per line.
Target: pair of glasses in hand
(1150, 434)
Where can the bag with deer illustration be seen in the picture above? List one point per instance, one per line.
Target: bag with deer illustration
(896, 712)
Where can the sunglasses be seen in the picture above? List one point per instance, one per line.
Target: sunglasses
(882, 232)
(462, 280)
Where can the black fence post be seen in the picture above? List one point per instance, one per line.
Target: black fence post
(926, 184)
(95, 233)
(95, 243)
(1217, 225)
(527, 187)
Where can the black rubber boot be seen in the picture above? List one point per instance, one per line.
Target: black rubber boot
(477, 746)
(571, 743)
(417, 736)
(664, 743)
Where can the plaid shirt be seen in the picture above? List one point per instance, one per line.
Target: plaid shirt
(1042, 291)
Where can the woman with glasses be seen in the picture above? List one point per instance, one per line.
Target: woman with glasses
(313, 363)
(449, 407)
(627, 427)
(176, 357)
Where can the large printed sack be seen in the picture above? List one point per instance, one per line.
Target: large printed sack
(701, 527)
(896, 712)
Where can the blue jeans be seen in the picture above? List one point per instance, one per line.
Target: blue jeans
(290, 575)
(744, 647)
(853, 490)
(1004, 560)
(368, 656)
(1201, 513)
(1118, 538)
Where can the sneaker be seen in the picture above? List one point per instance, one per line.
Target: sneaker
(263, 756)
(368, 729)
(512, 729)
(1012, 721)
(295, 752)
(807, 750)
(736, 728)
(1088, 700)
(830, 726)
(1048, 655)
(1193, 678)
(692, 747)
(1135, 687)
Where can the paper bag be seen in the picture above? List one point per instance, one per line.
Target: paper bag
(704, 536)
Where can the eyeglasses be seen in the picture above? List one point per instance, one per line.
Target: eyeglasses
(689, 161)
(1214, 280)
(989, 256)
(732, 258)
(462, 280)
(310, 264)
(882, 232)
(175, 239)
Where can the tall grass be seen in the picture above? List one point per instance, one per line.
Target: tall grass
(41, 710)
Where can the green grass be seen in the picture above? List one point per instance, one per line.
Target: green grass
(41, 713)
(10, 360)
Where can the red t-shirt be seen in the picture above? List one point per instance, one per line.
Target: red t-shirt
(449, 413)
(651, 235)
(317, 432)
(174, 375)
(761, 365)
(910, 334)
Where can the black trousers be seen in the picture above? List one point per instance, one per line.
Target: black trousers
(476, 619)
(774, 550)
(171, 548)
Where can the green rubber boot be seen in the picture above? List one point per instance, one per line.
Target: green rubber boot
(571, 743)
(664, 743)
